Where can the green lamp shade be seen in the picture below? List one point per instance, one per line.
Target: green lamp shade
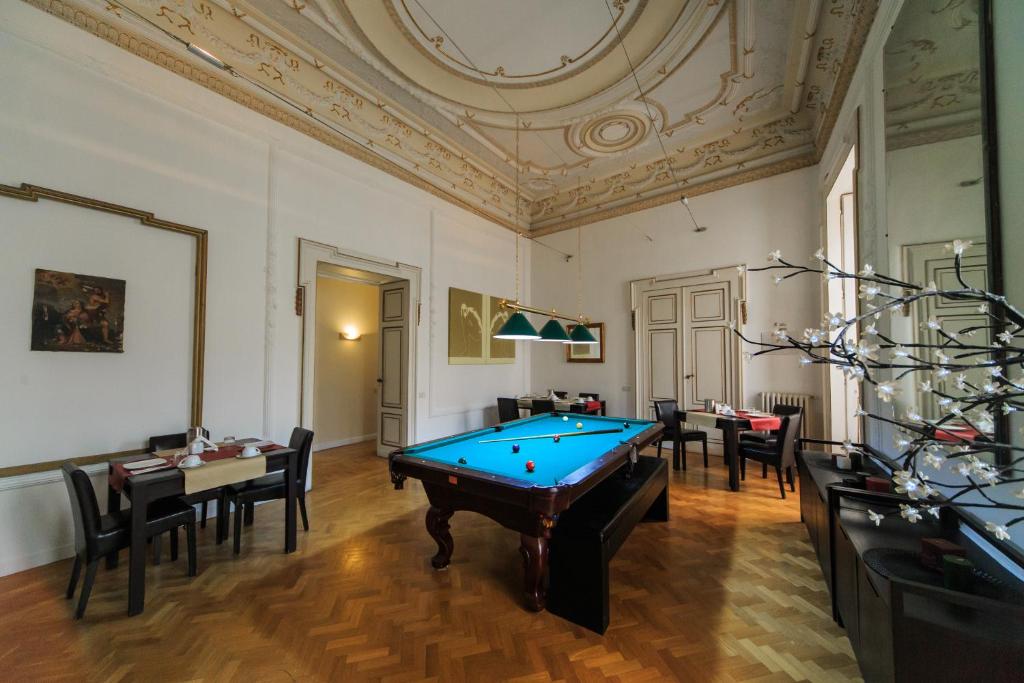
(581, 335)
(517, 327)
(553, 332)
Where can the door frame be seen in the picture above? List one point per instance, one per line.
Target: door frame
(738, 312)
(312, 253)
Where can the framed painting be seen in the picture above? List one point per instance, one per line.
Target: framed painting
(499, 350)
(586, 353)
(73, 312)
(466, 316)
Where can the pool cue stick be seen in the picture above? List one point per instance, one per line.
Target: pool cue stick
(551, 436)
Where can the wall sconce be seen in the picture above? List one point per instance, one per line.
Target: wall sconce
(349, 333)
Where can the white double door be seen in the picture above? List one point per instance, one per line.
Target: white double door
(686, 349)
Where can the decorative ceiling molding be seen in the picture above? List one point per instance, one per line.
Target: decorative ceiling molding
(730, 105)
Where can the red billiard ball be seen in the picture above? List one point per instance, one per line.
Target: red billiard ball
(515, 448)
(557, 438)
(530, 465)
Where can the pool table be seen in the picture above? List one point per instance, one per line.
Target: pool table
(480, 471)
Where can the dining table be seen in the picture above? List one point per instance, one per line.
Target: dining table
(564, 405)
(220, 467)
(730, 426)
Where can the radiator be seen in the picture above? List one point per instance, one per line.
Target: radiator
(770, 399)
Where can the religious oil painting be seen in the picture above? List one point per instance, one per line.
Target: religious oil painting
(72, 312)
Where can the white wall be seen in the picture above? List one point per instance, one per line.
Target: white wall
(744, 224)
(345, 371)
(86, 117)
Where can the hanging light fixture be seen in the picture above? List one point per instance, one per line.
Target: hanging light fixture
(580, 334)
(517, 326)
(554, 332)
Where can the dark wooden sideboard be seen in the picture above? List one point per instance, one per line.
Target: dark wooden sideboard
(903, 625)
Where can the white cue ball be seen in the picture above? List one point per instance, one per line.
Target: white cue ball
(565, 418)
(579, 425)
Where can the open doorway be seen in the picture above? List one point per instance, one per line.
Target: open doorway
(841, 249)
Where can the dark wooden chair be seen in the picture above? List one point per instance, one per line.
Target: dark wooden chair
(665, 412)
(562, 394)
(97, 536)
(781, 455)
(203, 498)
(271, 487)
(580, 408)
(762, 439)
(542, 405)
(508, 409)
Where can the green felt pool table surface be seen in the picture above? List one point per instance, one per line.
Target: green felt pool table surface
(553, 461)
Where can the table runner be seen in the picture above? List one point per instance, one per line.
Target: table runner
(957, 435)
(705, 419)
(221, 468)
(593, 406)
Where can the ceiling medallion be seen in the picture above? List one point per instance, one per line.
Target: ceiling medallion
(609, 133)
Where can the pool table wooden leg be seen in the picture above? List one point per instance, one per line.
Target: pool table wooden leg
(438, 528)
(535, 560)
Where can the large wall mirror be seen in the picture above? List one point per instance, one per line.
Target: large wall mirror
(939, 188)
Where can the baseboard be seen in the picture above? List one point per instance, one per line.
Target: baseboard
(323, 446)
(13, 565)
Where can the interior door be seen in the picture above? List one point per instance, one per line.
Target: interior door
(394, 346)
(709, 345)
(661, 329)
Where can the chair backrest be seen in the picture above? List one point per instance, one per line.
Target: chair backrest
(508, 409)
(542, 405)
(562, 394)
(665, 412)
(302, 441)
(578, 408)
(591, 395)
(783, 409)
(789, 430)
(166, 441)
(85, 510)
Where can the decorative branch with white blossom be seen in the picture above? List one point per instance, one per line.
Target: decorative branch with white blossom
(955, 442)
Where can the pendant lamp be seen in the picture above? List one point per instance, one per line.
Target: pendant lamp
(581, 335)
(553, 332)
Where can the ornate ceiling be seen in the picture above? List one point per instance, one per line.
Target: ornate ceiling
(434, 91)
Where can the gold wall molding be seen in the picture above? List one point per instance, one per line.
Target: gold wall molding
(34, 193)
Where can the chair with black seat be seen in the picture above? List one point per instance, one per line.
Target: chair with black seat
(542, 405)
(271, 487)
(764, 438)
(97, 536)
(167, 441)
(665, 412)
(508, 409)
(561, 394)
(781, 455)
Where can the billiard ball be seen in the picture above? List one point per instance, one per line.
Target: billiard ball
(626, 425)
(565, 418)
(557, 438)
(515, 448)
(579, 425)
(530, 465)
(462, 461)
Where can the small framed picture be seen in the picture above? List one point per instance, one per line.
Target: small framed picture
(586, 353)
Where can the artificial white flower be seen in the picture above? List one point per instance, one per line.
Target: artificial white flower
(886, 391)
(941, 355)
(869, 291)
(998, 530)
(875, 517)
(1007, 409)
(910, 513)
(961, 382)
(860, 412)
(963, 469)
(932, 324)
(848, 448)
(871, 330)
(958, 247)
(925, 386)
(814, 336)
(913, 415)
(930, 288)
(908, 483)
(819, 255)
(989, 388)
(985, 421)
(933, 461)
(932, 510)
(945, 401)
(864, 350)
(778, 279)
(899, 351)
(854, 372)
(775, 255)
(834, 320)
(983, 308)
(902, 442)
(867, 271)
(805, 361)
(781, 334)
(1006, 337)
(995, 371)
(941, 373)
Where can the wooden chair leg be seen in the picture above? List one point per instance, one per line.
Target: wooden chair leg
(782, 487)
(250, 513)
(302, 509)
(238, 527)
(789, 479)
(76, 570)
(190, 541)
(743, 469)
(174, 544)
(223, 512)
(202, 522)
(764, 470)
(704, 444)
(158, 544)
(83, 599)
(659, 448)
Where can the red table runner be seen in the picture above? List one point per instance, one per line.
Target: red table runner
(118, 473)
(593, 406)
(757, 423)
(957, 435)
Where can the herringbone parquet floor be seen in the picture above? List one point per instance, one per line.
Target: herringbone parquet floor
(728, 590)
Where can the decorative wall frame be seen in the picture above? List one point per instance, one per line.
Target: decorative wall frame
(586, 353)
(33, 193)
(473, 320)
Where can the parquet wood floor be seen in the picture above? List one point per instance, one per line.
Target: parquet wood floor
(728, 590)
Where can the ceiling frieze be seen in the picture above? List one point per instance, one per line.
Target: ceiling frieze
(737, 90)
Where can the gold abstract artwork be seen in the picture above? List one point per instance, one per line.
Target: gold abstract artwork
(473, 319)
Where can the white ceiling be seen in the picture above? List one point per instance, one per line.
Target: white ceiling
(733, 89)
